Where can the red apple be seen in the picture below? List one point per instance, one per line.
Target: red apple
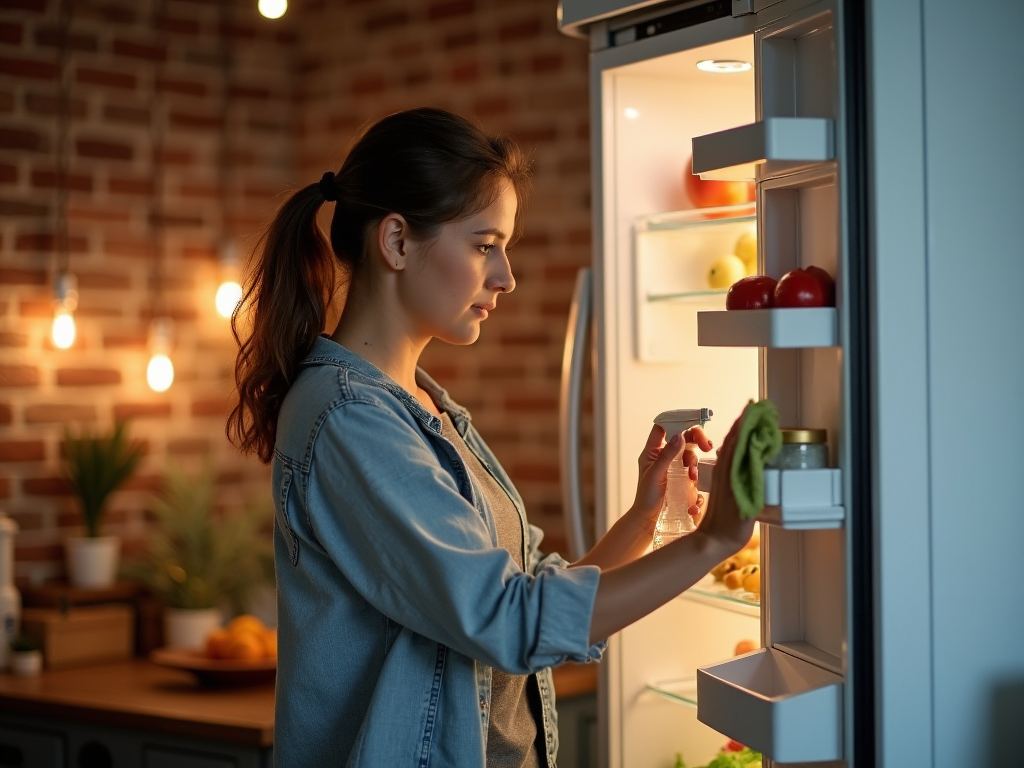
(706, 193)
(752, 292)
(828, 285)
(797, 288)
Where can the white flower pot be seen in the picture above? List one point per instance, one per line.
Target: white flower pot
(26, 663)
(92, 560)
(188, 627)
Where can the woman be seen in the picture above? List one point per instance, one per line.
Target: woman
(418, 620)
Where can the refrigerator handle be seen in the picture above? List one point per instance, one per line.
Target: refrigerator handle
(569, 404)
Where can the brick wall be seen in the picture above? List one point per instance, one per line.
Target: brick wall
(295, 93)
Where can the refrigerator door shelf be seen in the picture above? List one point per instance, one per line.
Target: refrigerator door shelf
(678, 691)
(779, 145)
(794, 498)
(787, 709)
(777, 328)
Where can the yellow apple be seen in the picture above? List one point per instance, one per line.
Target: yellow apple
(725, 271)
(746, 249)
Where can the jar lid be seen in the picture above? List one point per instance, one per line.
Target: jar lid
(804, 435)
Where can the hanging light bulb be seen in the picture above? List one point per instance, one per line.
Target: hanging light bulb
(230, 292)
(160, 371)
(272, 9)
(65, 301)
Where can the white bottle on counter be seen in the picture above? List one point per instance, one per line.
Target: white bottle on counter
(10, 598)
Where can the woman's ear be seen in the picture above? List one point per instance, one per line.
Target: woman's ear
(392, 240)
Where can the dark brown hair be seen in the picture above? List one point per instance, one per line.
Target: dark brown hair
(428, 165)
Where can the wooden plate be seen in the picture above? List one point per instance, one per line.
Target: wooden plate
(217, 672)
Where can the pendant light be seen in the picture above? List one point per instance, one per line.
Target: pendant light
(65, 285)
(160, 370)
(229, 292)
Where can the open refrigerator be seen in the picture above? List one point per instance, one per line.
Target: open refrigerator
(662, 339)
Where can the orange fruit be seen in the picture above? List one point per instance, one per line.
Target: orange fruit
(246, 645)
(745, 646)
(216, 643)
(246, 621)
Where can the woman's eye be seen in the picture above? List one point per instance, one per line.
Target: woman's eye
(486, 248)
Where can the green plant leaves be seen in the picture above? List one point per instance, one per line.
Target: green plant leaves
(97, 465)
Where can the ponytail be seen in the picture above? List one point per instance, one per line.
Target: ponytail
(285, 304)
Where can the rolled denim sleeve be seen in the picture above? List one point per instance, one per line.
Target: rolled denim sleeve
(391, 517)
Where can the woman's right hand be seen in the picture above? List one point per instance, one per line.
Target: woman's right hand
(722, 522)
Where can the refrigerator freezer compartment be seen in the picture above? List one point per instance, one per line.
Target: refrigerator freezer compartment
(778, 328)
(782, 706)
(682, 691)
(771, 147)
(794, 498)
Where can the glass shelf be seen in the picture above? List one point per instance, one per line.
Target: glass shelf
(677, 691)
(697, 297)
(697, 217)
(715, 593)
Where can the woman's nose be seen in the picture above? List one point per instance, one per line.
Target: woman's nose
(502, 278)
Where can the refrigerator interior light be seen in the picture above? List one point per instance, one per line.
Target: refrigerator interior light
(160, 371)
(65, 295)
(723, 66)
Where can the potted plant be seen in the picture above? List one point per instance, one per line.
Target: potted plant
(200, 561)
(97, 465)
(26, 656)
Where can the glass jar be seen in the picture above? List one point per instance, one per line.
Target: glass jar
(801, 449)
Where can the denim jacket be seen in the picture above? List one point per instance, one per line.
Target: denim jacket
(394, 599)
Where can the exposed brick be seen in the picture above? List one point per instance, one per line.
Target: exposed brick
(13, 340)
(448, 8)
(50, 37)
(492, 106)
(80, 213)
(365, 85)
(142, 51)
(195, 253)
(237, 31)
(124, 185)
(152, 483)
(196, 122)
(46, 242)
(47, 486)
(19, 376)
(22, 138)
(30, 68)
(43, 179)
(104, 150)
(35, 6)
(519, 30)
(58, 413)
(210, 407)
(44, 104)
(128, 115)
(114, 14)
(178, 25)
(466, 72)
(6, 414)
(5, 490)
(528, 472)
(88, 377)
(15, 276)
(104, 280)
(460, 39)
(22, 450)
(207, 191)
(250, 93)
(177, 157)
(133, 248)
(391, 19)
(10, 34)
(8, 173)
(177, 220)
(125, 340)
(106, 78)
(545, 63)
(188, 447)
(184, 87)
(21, 208)
(142, 411)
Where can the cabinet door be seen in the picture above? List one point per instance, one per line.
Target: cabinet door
(31, 747)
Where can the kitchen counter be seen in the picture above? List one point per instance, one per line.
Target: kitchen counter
(141, 695)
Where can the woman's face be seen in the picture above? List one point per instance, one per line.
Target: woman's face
(452, 284)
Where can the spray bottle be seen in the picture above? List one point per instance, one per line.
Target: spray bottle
(681, 494)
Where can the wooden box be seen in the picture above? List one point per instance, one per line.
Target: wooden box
(81, 635)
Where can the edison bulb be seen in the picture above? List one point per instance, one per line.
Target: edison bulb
(160, 373)
(228, 295)
(272, 9)
(63, 330)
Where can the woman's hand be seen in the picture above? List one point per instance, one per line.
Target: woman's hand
(652, 481)
(722, 521)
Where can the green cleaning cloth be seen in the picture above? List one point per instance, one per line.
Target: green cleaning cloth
(758, 441)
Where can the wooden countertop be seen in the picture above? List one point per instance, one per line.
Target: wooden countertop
(140, 694)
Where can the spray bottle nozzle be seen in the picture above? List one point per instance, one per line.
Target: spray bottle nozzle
(677, 422)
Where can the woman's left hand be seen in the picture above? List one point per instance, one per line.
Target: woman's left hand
(653, 465)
